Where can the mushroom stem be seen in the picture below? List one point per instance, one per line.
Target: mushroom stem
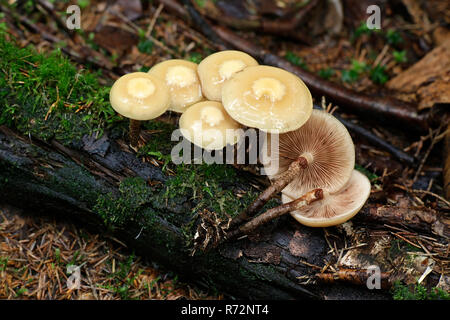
(278, 185)
(306, 199)
(135, 130)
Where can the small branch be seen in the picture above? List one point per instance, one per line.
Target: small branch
(377, 141)
(419, 219)
(278, 185)
(213, 231)
(271, 214)
(353, 276)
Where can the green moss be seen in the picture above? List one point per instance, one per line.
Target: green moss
(417, 292)
(209, 187)
(118, 210)
(48, 97)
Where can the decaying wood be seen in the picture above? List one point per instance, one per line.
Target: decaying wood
(446, 173)
(67, 181)
(429, 78)
(286, 27)
(418, 219)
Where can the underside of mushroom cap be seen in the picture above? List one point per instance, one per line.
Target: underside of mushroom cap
(139, 96)
(207, 125)
(182, 80)
(218, 67)
(334, 208)
(325, 143)
(267, 98)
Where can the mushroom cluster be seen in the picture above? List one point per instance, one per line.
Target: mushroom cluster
(229, 91)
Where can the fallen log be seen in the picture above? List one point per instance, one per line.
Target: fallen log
(87, 183)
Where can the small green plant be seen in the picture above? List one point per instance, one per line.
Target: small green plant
(122, 283)
(362, 29)
(326, 73)
(400, 56)
(145, 46)
(295, 60)
(417, 292)
(83, 3)
(21, 292)
(378, 74)
(3, 263)
(372, 176)
(393, 37)
(195, 57)
(353, 74)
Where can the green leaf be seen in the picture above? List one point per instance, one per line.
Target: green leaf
(295, 60)
(378, 75)
(393, 37)
(349, 76)
(145, 46)
(326, 73)
(400, 56)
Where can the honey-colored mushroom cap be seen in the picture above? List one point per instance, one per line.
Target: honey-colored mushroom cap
(327, 146)
(207, 125)
(267, 98)
(182, 80)
(218, 67)
(139, 96)
(334, 208)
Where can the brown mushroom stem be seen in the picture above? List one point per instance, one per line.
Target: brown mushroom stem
(306, 199)
(278, 185)
(135, 130)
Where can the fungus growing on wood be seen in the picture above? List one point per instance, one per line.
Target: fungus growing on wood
(207, 125)
(268, 98)
(335, 208)
(139, 96)
(218, 67)
(182, 80)
(320, 154)
(325, 144)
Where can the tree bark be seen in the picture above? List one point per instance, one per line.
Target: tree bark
(69, 181)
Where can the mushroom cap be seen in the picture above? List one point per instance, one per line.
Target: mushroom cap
(139, 96)
(182, 80)
(218, 67)
(267, 98)
(207, 125)
(325, 143)
(334, 208)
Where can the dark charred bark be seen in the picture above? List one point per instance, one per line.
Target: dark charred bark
(68, 181)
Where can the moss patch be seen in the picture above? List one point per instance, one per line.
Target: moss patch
(417, 292)
(48, 97)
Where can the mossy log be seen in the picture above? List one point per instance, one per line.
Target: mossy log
(89, 181)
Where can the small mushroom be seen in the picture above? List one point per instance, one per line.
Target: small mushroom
(207, 125)
(320, 154)
(139, 96)
(325, 144)
(267, 98)
(183, 82)
(335, 208)
(218, 67)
